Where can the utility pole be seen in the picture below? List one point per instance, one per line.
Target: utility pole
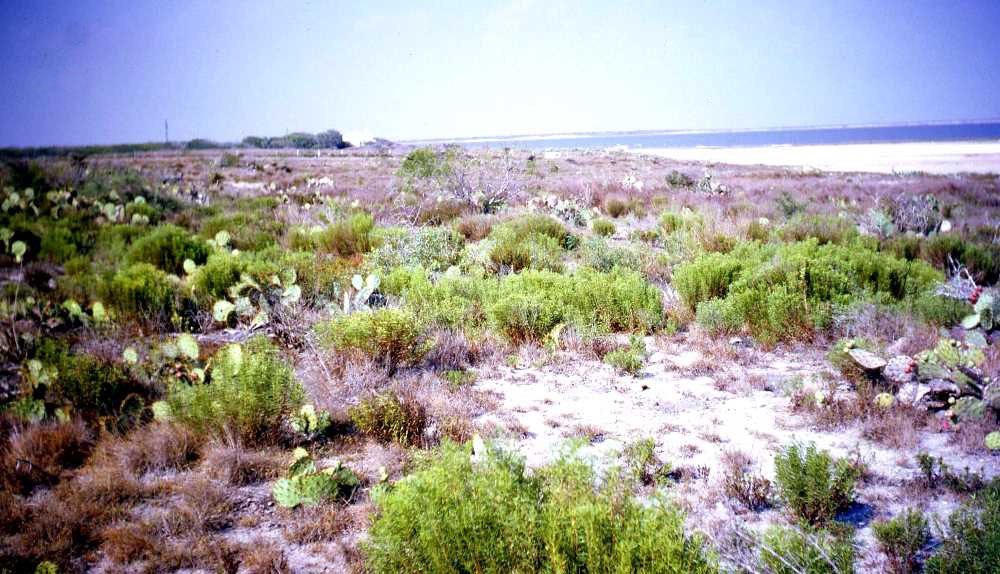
(166, 133)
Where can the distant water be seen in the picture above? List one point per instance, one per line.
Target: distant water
(977, 131)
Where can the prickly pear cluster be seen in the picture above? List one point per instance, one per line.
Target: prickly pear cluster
(307, 486)
(900, 370)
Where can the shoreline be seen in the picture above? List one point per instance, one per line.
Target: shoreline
(939, 158)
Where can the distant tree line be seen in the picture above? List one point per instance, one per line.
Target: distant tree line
(330, 139)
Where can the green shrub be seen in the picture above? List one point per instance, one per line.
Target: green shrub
(629, 359)
(901, 539)
(971, 544)
(91, 385)
(167, 247)
(252, 230)
(597, 254)
(491, 516)
(941, 311)
(58, 244)
(433, 248)
(786, 290)
(792, 551)
(388, 417)
(619, 301)
(542, 225)
(348, 237)
(391, 337)
(603, 227)
(249, 393)
(513, 252)
(422, 162)
(456, 302)
(672, 222)
(823, 228)
(813, 485)
(141, 292)
(221, 271)
(530, 304)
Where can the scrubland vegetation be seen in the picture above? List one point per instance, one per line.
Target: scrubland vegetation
(269, 363)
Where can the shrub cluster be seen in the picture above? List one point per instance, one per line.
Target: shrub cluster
(248, 394)
(141, 292)
(167, 247)
(972, 542)
(779, 291)
(392, 337)
(491, 516)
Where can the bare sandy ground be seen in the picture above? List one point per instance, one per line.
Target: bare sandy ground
(929, 157)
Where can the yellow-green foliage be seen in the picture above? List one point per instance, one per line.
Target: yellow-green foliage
(388, 417)
(603, 227)
(530, 304)
(140, 292)
(779, 291)
(454, 515)
(167, 247)
(433, 248)
(249, 393)
(348, 237)
(250, 230)
(392, 337)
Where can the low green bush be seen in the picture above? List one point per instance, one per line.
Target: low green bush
(513, 252)
(542, 225)
(598, 254)
(433, 248)
(391, 337)
(793, 551)
(781, 291)
(455, 302)
(491, 516)
(351, 236)
(616, 207)
(971, 544)
(249, 393)
(389, 417)
(530, 304)
(603, 227)
(628, 359)
(167, 247)
(813, 485)
(141, 292)
(823, 228)
(941, 311)
(901, 539)
(92, 386)
(251, 230)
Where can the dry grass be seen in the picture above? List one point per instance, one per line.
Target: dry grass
(237, 466)
(319, 524)
(155, 447)
(41, 454)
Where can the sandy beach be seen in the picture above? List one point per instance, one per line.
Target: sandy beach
(929, 157)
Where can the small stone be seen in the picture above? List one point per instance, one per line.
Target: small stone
(739, 342)
(868, 360)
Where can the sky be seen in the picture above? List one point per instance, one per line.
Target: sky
(81, 72)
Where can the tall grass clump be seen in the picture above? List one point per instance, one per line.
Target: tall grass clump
(781, 291)
(167, 247)
(793, 551)
(248, 394)
(457, 514)
(393, 338)
(349, 236)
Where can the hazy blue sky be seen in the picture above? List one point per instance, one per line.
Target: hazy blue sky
(97, 72)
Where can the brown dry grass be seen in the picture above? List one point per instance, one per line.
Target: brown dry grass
(41, 454)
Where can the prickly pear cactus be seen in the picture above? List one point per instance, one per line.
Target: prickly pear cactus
(900, 370)
(307, 421)
(305, 486)
(968, 408)
(992, 440)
